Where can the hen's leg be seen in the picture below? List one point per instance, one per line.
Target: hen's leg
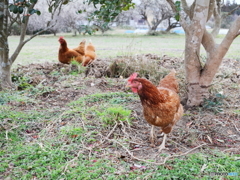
(162, 146)
(152, 136)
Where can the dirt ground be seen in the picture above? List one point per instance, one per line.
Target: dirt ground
(215, 126)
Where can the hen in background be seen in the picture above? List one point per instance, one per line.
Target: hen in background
(66, 55)
(90, 54)
(161, 104)
(81, 48)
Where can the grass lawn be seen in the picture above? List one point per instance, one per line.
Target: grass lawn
(45, 48)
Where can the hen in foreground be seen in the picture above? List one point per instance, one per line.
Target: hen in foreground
(161, 104)
(66, 55)
(90, 54)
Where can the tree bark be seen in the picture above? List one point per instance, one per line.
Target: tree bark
(5, 60)
(216, 52)
(194, 34)
(217, 18)
(6, 81)
(172, 25)
(5, 64)
(199, 78)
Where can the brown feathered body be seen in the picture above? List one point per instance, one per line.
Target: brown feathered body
(161, 104)
(81, 48)
(90, 54)
(66, 55)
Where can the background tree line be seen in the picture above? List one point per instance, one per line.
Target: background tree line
(76, 17)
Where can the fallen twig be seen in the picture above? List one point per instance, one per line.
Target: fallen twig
(78, 154)
(235, 127)
(177, 144)
(83, 124)
(6, 135)
(164, 161)
(10, 130)
(101, 142)
(231, 149)
(110, 133)
(89, 149)
(124, 129)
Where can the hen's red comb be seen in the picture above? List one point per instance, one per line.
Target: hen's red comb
(61, 37)
(133, 76)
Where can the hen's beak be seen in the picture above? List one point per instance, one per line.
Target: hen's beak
(128, 85)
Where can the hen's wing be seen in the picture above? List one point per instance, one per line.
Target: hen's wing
(81, 48)
(73, 55)
(170, 82)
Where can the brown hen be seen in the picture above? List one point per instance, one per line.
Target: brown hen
(161, 104)
(66, 55)
(90, 54)
(81, 48)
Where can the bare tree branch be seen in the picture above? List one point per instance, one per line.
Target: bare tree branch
(233, 32)
(218, 52)
(212, 8)
(217, 18)
(230, 12)
(51, 23)
(171, 3)
(208, 41)
(186, 8)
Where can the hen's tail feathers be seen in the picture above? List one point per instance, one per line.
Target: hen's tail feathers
(170, 81)
(83, 41)
(178, 114)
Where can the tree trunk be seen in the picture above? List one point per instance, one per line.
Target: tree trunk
(172, 25)
(217, 18)
(200, 78)
(74, 32)
(153, 26)
(5, 73)
(5, 60)
(194, 33)
(5, 64)
(216, 52)
(152, 31)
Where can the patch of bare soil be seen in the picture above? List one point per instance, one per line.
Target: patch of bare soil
(215, 126)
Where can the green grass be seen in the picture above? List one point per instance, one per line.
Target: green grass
(112, 98)
(50, 161)
(39, 146)
(107, 108)
(45, 48)
(190, 167)
(21, 122)
(16, 96)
